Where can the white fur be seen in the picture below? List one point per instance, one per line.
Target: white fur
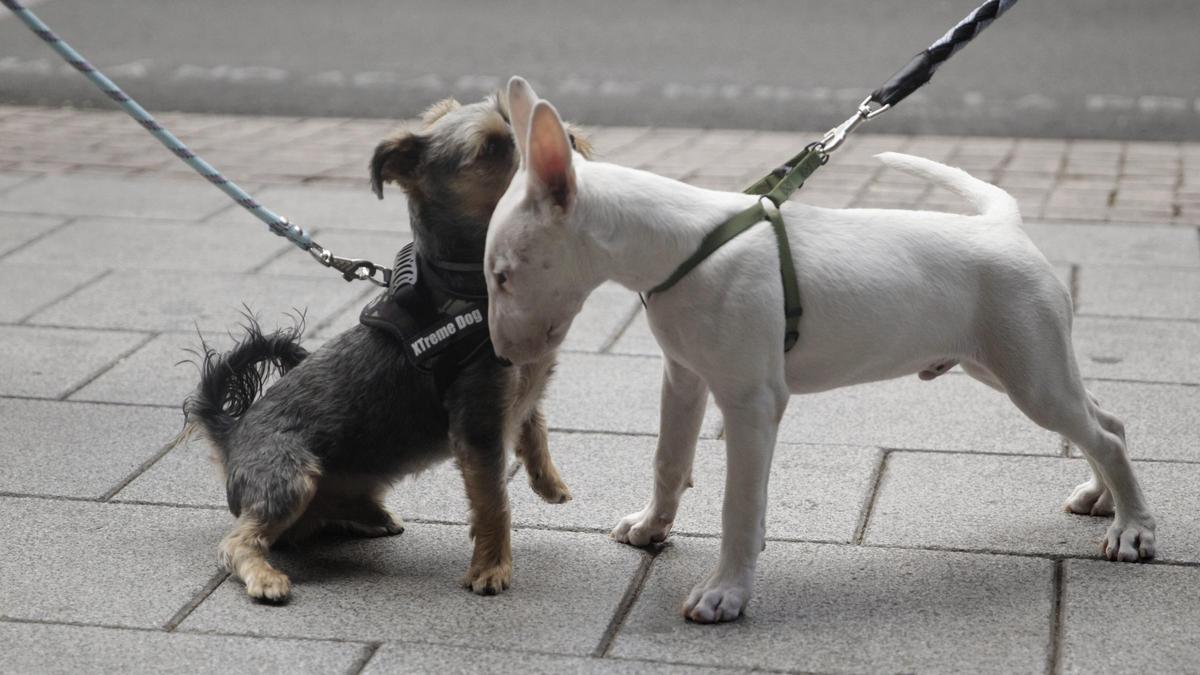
(886, 293)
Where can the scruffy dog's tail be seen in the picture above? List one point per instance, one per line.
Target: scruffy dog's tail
(989, 200)
(230, 382)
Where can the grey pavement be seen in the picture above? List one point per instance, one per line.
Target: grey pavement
(912, 526)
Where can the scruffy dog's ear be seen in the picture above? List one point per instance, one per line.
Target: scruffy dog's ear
(396, 160)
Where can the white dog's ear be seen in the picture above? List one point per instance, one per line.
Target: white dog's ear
(521, 98)
(549, 159)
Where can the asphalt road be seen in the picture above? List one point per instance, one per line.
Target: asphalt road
(1057, 68)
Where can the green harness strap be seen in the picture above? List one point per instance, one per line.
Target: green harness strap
(777, 189)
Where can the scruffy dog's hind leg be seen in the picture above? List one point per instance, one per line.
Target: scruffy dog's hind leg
(266, 511)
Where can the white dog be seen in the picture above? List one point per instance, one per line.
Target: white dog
(885, 293)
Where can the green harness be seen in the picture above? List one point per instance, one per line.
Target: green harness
(776, 186)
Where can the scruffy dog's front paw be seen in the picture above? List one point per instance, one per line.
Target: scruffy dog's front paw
(550, 488)
(1090, 499)
(715, 600)
(642, 528)
(268, 585)
(489, 580)
(1129, 542)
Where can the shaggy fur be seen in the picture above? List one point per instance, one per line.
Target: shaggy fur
(321, 447)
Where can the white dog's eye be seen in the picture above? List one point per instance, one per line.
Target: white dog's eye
(501, 279)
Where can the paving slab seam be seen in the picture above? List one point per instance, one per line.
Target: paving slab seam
(626, 322)
(1073, 286)
(90, 329)
(730, 669)
(142, 468)
(358, 301)
(24, 320)
(1150, 383)
(1054, 653)
(142, 502)
(584, 352)
(1141, 319)
(184, 612)
(632, 592)
(632, 142)
(107, 367)
(864, 517)
(23, 397)
(360, 663)
(143, 629)
(66, 221)
(24, 180)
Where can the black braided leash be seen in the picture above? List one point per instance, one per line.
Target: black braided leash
(922, 67)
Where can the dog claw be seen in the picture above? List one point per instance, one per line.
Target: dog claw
(642, 529)
(490, 581)
(1129, 543)
(715, 602)
(1090, 499)
(270, 587)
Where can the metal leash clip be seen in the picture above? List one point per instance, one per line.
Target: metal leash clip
(834, 137)
(352, 269)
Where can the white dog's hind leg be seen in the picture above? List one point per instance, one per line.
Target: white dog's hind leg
(683, 397)
(1042, 379)
(751, 424)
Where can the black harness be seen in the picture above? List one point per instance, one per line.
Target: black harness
(438, 312)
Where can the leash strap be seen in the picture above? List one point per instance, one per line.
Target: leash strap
(780, 184)
(922, 67)
(351, 268)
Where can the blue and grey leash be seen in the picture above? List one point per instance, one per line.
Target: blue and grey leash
(352, 269)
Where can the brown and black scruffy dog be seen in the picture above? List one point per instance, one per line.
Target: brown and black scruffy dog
(321, 447)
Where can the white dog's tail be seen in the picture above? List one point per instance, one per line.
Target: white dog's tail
(988, 199)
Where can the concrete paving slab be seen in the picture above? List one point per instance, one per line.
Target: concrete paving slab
(396, 657)
(48, 649)
(1159, 419)
(566, 587)
(378, 247)
(16, 231)
(953, 412)
(1155, 632)
(1136, 349)
(1014, 504)
(602, 318)
(314, 207)
(1143, 245)
(817, 492)
(8, 180)
(29, 288)
(832, 608)
(162, 372)
(49, 362)
(112, 564)
(78, 195)
(1151, 293)
(637, 339)
(228, 246)
(599, 392)
(165, 371)
(188, 302)
(76, 449)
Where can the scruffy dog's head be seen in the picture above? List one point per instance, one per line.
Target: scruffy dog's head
(454, 166)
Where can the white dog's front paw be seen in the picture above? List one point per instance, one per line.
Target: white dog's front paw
(642, 528)
(1090, 499)
(714, 600)
(1129, 542)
